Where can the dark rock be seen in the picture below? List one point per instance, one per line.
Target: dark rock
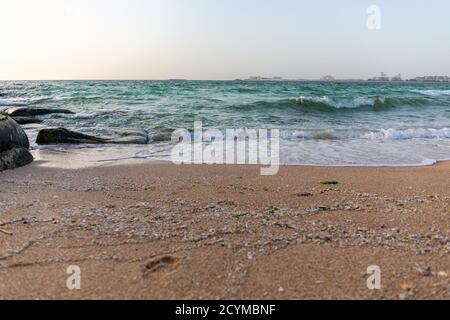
(32, 111)
(65, 136)
(15, 157)
(62, 135)
(26, 120)
(13, 145)
(11, 135)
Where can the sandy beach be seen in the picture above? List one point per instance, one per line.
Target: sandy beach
(181, 152)
(159, 231)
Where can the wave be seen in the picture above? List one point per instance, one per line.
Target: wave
(406, 134)
(162, 136)
(389, 134)
(324, 103)
(85, 115)
(381, 134)
(13, 103)
(434, 93)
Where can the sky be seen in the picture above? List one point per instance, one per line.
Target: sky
(221, 39)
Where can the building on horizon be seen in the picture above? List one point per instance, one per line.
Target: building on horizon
(327, 78)
(384, 77)
(432, 79)
(259, 78)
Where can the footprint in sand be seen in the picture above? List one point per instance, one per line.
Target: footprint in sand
(156, 265)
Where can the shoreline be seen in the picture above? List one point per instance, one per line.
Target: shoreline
(93, 156)
(163, 231)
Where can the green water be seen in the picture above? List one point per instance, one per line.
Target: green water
(320, 123)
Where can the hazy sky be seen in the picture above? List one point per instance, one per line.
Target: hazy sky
(220, 39)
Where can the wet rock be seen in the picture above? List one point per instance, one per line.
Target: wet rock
(26, 120)
(32, 111)
(15, 157)
(11, 135)
(65, 136)
(62, 135)
(13, 145)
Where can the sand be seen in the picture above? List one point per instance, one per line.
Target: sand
(160, 231)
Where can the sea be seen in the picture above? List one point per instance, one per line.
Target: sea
(320, 123)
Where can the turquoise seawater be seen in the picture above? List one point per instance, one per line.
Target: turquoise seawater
(320, 123)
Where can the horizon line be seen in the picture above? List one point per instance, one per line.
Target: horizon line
(237, 79)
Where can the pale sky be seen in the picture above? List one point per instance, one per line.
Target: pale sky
(221, 39)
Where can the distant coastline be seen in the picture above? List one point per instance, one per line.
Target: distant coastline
(382, 79)
(409, 81)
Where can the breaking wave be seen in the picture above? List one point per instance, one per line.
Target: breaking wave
(434, 93)
(316, 103)
(382, 134)
(13, 103)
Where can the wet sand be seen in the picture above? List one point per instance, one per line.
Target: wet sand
(160, 231)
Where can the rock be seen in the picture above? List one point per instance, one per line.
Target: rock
(13, 145)
(62, 135)
(26, 120)
(11, 135)
(65, 136)
(32, 111)
(15, 157)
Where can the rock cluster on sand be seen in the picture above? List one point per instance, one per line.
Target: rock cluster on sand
(65, 136)
(27, 115)
(13, 145)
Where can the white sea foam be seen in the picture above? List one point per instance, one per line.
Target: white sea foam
(360, 152)
(382, 134)
(339, 153)
(362, 101)
(433, 93)
(338, 103)
(405, 134)
(13, 102)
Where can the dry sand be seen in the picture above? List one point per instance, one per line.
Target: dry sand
(160, 231)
